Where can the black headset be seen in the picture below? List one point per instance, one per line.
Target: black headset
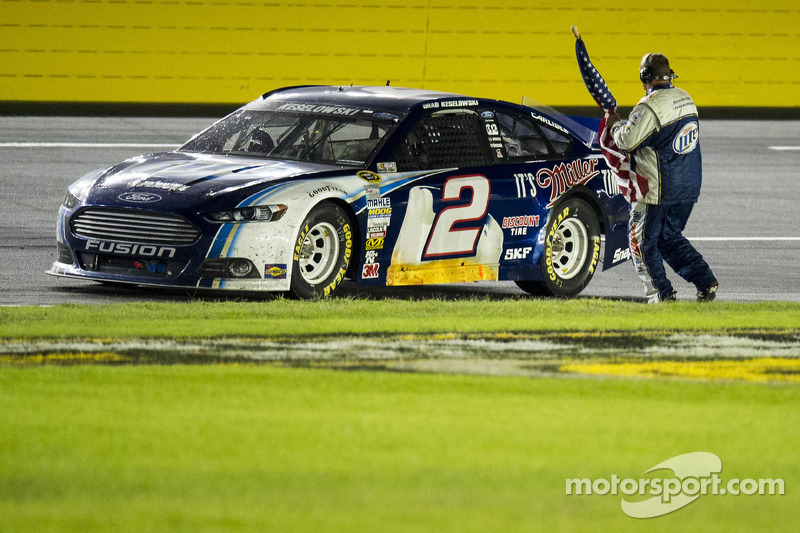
(647, 75)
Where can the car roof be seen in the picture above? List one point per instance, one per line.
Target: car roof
(394, 99)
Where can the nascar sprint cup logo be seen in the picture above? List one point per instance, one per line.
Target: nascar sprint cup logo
(687, 138)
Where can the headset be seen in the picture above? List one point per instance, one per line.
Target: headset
(648, 72)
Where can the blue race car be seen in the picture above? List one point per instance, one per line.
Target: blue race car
(307, 186)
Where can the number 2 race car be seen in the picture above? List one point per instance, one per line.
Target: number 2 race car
(307, 186)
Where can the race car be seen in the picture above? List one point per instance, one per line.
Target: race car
(308, 186)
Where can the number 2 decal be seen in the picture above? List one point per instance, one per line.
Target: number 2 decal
(444, 239)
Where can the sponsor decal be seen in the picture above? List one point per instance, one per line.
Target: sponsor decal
(374, 244)
(323, 109)
(380, 211)
(369, 177)
(389, 166)
(526, 185)
(277, 271)
(515, 254)
(621, 254)
(324, 189)
(370, 270)
(519, 225)
(155, 184)
(124, 248)
(563, 176)
(370, 257)
(487, 114)
(491, 129)
(376, 234)
(139, 197)
(687, 139)
(376, 203)
(550, 123)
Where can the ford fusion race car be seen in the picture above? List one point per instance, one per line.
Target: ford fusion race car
(307, 186)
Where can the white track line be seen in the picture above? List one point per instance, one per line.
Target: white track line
(784, 148)
(85, 145)
(723, 239)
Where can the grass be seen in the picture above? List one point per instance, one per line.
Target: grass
(295, 318)
(238, 447)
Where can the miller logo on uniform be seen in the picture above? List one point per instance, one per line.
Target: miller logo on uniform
(686, 140)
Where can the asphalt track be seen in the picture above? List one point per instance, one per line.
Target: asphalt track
(747, 223)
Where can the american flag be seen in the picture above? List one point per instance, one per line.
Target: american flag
(632, 185)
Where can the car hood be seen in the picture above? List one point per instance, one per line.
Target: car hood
(199, 175)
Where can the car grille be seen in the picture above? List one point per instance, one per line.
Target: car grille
(130, 225)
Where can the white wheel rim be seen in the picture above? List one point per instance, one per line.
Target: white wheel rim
(570, 245)
(319, 253)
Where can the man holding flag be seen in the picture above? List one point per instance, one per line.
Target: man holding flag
(656, 154)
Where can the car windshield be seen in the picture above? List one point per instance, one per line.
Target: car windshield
(319, 137)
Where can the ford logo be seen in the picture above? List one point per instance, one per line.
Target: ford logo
(139, 197)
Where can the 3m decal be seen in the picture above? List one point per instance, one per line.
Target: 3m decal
(370, 270)
(444, 238)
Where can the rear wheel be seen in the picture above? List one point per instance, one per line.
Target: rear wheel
(571, 251)
(322, 252)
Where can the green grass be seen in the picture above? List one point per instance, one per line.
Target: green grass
(227, 448)
(290, 318)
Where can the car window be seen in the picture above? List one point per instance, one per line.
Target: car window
(321, 138)
(525, 137)
(445, 139)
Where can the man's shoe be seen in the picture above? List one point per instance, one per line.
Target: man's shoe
(708, 294)
(671, 297)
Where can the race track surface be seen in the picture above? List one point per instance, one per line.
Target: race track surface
(747, 223)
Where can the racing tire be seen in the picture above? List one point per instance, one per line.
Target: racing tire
(571, 251)
(322, 252)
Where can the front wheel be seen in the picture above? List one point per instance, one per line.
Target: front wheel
(322, 252)
(571, 251)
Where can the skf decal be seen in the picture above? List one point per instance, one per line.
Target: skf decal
(143, 250)
(514, 254)
(275, 271)
(369, 177)
(565, 175)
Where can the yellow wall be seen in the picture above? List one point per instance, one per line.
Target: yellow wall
(727, 52)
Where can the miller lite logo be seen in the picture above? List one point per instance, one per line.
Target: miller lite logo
(687, 138)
